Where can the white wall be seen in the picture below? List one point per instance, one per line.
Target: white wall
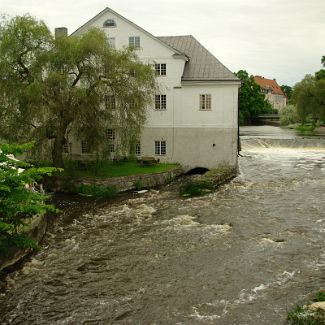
(194, 138)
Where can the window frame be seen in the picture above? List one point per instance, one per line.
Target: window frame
(111, 134)
(205, 102)
(67, 147)
(85, 148)
(160, 147)
(110, 102)
(111, 147)
(138, 148)
(161, 69)
(133, 42)
(161, 102)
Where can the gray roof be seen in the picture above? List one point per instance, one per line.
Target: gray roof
(202, 65)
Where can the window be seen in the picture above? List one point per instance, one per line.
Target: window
(138, 149)
(160, 102)
(111, 42)
(111, 134)
(110, 102)
(205, 102)
(109, 23)
(112, 147)
(160, 148)
(84, 147)
(134, 41)
(160, 69)
(67, 147)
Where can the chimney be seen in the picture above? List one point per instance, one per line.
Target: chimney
(60, 31)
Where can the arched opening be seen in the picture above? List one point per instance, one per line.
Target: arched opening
(197, 171)
(109, 23)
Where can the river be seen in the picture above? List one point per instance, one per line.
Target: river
(245, 254)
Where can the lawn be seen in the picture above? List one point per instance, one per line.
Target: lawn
(108, 169)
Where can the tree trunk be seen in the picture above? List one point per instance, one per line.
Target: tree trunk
(57, 152)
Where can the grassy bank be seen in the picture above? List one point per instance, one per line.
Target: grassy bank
(109, 169)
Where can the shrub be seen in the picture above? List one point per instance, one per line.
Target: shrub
(19, 198)
(138, 185)
(289, 115)
(305, 128)
(97, 191)
(301, 315)
(195, 188)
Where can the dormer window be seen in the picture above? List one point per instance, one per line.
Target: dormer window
(109, 23)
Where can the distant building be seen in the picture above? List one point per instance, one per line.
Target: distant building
(194, 118)
(272, 91)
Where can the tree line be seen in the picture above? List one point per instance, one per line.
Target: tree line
(252, 102)
(308, 96)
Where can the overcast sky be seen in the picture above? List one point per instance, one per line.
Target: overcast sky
(282, 39)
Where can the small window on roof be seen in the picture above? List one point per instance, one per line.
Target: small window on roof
(109, 23)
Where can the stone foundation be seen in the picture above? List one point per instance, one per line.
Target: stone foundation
(126, 183)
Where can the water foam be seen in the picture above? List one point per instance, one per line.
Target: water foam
(187, 223)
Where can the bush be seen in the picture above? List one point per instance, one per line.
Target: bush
(289, 115)
(138, 185)
(19, 197)
(305, 128)
(195, 188)
(301, 315)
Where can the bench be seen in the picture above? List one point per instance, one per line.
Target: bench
(148, 161)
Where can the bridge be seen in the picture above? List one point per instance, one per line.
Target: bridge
(268, 119)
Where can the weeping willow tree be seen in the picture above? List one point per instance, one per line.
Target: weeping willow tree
(52, 87)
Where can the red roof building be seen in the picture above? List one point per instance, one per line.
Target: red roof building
(272, 91)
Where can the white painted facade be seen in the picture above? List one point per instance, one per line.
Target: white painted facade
(193, 137)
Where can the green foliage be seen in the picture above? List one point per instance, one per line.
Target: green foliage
(169, 179)
(320, 296)
(97, 191)
(303, 98)
(195, 188)
(18, 198)
(305, 129)
(320, 74)
(301, 315)
(309, 96)
(251, 101)
(289, 115)
(50, 88)
(287, 91)
(138, 185)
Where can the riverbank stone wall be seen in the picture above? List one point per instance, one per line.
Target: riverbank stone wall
(127, 183)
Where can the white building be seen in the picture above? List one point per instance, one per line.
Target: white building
(194, 119)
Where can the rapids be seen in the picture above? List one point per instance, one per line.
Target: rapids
(245, 254)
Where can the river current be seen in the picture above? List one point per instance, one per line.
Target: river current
(245, 254)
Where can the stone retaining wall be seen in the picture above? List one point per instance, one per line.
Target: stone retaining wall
(126, 183)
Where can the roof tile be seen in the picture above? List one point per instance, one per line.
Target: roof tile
(269, 84)
(202, 65)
